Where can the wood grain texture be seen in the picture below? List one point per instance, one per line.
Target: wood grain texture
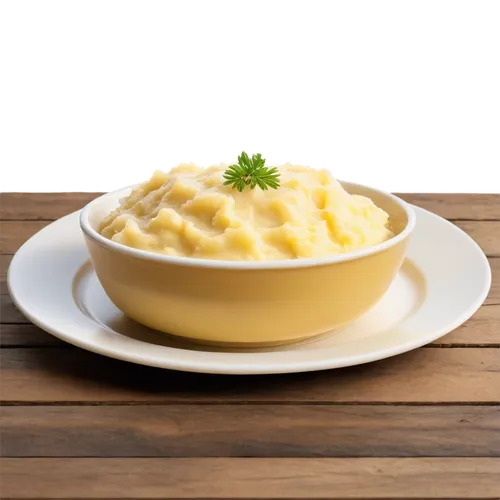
(457, 206)
(9, 313)
(251, 431)
(5, 261)
(422, 376)
(485, 233)
(250, 478)
(13, 234)
(494, 295)
(27, 335)
(482, 328)
(41, 206)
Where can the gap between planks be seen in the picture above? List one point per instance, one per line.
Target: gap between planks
(298, 402)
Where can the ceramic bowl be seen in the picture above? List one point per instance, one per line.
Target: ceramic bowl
(246, 303)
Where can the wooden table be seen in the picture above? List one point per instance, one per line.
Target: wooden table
(77, 425)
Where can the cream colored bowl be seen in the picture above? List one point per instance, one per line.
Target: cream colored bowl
(246, 303)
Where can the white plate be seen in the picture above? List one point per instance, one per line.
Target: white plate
(443, 281)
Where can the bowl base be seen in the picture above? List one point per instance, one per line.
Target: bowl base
(245, 346)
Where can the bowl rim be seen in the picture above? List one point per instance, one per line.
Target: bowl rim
(90, 232)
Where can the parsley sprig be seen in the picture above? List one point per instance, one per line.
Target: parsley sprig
(251, 172)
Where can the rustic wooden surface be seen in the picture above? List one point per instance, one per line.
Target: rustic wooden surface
(75, 425)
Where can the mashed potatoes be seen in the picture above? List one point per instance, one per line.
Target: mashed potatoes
(189, 212)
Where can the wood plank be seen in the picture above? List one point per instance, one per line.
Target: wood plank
(494, 295)
(13, 234)
(469, 206)
(4, 266)
(9, 313)
(55, 375)
(5, 261)
(482, 329)
(20, 232)
(27, 335)
(485, 233)
(251, 431)
(259, 478)
(51, 206)
(41, 206)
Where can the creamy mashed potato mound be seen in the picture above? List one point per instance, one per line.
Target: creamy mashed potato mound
(188, 212)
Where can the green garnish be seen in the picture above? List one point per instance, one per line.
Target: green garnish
(251, 172)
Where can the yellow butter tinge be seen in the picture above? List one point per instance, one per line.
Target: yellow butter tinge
(189, 212)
